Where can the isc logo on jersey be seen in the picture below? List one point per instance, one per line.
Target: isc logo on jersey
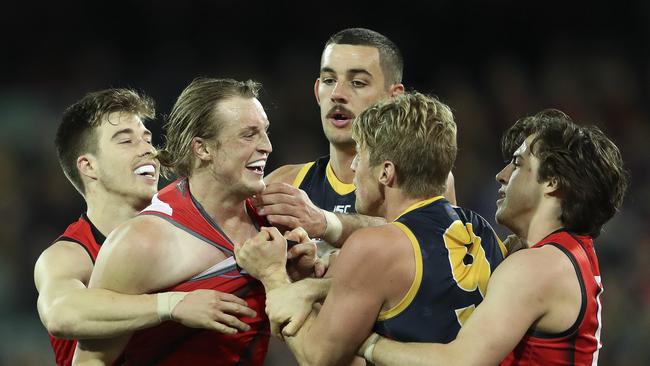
(341, 208)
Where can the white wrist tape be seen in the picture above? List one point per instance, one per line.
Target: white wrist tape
(334, 228)
(367, 354)
(166, 302)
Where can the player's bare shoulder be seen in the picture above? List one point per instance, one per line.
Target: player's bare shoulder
(138, 256)
(144, 239)
(64, 250)
(143, 230)
(381, 243)
(532, 270)
(63, 259)
(285, 174)
(371, 257)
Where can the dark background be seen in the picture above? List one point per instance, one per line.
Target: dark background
(492, 62)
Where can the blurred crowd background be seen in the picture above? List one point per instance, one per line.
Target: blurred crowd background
(492, 62)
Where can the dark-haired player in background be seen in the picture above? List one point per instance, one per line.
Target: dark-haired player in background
(358, 68)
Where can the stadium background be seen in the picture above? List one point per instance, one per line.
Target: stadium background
(491, 62)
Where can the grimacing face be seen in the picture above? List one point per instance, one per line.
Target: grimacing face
(244, 145)
(350, 81)
(520, 193)
(126, 158)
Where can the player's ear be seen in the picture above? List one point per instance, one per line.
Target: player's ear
(201, 149)
(552, 187)
(387, 174)
(87, 166)
(316, 86)
(396, 89)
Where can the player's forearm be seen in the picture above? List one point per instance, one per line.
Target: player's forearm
(299, 343)
(307, 349)
(83, 358)
(391, 353)
(312, 347)
(99, 313)
(99, 352)
(317, 288)
(340, 226)
(273, 280)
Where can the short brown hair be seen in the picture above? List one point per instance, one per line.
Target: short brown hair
(587, 165)
(194, 115)
(76, 133)
(390, 57)
(417, 133)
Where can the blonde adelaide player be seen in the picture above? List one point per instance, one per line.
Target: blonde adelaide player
(417, 277)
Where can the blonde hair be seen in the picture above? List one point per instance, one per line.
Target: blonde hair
(194, 115)
(417, 133)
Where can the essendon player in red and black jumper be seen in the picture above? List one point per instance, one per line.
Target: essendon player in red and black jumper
(116, 185)
(174, 344)
(561, 184)
(578, 345)
(84, 233)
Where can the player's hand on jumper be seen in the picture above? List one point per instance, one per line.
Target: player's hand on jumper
(287, 206)
(263, 256)
(209, 309)
(302, 259)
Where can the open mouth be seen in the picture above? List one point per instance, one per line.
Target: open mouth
(340, 117)
(147, 171)
(257, 166)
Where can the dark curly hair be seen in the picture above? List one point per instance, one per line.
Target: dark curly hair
(586, 164)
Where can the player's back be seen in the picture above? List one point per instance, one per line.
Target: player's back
(456, 251)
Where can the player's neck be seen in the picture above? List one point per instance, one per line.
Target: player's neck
(107, 213)
(218, 201)
(225, 207)
(544, 221)
(340, 161)
(396, 202)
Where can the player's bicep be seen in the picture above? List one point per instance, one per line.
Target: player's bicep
(353, 302)
(351, 305)
(510, 307)
(63, 267)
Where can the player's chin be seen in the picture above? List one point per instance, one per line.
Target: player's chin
(143, 197)
(500, 216)
(255, 187)
(360, 208)
(146, 187)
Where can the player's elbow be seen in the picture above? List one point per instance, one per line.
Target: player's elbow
(62, 323)
(317, 357)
